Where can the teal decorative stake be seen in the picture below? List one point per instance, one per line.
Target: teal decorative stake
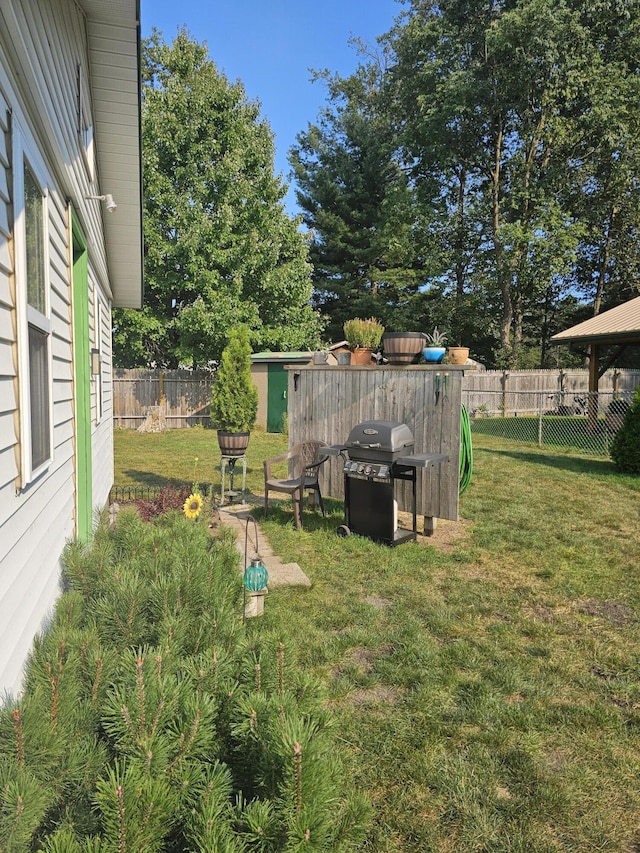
(255, 576)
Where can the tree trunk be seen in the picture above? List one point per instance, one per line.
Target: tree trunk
(604, 256)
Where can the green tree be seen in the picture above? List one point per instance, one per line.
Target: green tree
(520, 121)
(366, 244)
(219, 247)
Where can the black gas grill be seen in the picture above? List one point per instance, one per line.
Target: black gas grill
(376, 455)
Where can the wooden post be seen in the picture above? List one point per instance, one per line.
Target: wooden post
(593, 387)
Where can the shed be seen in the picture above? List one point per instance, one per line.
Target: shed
(269, 373)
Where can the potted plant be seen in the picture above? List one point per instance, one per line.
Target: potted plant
(364, 338)
(458, 355)
(403, 347)
(234, 399)
(435, 349)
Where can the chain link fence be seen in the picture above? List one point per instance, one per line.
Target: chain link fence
(585, 422)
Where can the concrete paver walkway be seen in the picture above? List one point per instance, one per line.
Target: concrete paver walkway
(280, 574)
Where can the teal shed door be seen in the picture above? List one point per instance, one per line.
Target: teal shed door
(277, 382)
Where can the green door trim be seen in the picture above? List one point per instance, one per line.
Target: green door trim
(82, 386)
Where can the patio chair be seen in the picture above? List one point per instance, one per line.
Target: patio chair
(304, 461)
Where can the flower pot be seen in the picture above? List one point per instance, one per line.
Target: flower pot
(458, 355)
(433, 355)
(232, 443)
(361, 355)
(403, 347)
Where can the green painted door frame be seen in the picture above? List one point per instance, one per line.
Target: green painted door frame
(277, 385)
(84, 491)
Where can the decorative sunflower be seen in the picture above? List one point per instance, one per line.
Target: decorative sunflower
(192, 506)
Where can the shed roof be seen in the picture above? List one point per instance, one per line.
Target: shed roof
(113, 28)
(281, 356)
(618, 325)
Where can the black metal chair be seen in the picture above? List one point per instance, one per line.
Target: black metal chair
(304, 461)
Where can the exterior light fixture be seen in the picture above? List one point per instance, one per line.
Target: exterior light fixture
(107, 199)
(255, 576)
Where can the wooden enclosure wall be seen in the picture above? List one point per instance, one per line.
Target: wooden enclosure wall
(326, 402)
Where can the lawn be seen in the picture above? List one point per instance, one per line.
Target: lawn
(485, 684)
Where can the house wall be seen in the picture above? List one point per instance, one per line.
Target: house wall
(42, 46)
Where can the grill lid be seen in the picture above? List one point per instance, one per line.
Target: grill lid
(389, 436)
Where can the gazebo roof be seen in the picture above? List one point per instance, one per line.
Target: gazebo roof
(619, 325)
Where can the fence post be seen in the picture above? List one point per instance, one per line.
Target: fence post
(540, 409)
(505, 382)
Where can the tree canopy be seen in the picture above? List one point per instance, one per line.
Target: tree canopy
(219, 248)
(484, 177)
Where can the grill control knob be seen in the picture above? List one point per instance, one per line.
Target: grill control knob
(360, 469)
(367, 470)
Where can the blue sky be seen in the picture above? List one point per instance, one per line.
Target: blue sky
(270, 45)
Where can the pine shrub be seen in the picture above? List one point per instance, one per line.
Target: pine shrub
(625, 446)
(153, 719)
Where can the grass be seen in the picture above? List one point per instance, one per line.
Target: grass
(485, 683)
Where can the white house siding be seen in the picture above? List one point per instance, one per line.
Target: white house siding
(41, 45)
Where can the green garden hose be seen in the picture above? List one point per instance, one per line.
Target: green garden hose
(466, 451)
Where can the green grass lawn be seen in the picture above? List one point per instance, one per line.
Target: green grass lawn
(485, 684)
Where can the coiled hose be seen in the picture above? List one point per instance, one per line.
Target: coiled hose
(466, 451)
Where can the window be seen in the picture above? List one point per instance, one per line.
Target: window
(34, 325)
(85, 124)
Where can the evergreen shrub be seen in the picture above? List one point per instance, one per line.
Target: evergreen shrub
(234, 398)
(625, 445)
(153, 719)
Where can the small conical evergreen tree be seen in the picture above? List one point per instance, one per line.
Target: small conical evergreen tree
(234, 399)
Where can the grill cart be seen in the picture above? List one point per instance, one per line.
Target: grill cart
(378, 454)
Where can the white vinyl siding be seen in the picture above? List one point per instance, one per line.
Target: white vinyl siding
(41, 46)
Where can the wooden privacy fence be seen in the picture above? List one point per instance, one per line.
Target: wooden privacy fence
(184, 395)
(521, 390)
(326, 402)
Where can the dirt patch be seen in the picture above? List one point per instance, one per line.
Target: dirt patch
(380, 694)
(362, 658)
(365, 659)
(377, 602)
(447, 535)
(617, 613)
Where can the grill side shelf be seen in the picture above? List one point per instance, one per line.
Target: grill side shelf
(422, 460)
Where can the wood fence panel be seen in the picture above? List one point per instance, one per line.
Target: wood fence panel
(185, 395)
(327, 402)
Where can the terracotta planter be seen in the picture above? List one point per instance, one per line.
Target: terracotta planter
(361, 355)
(403, 347)
(232, 443)
(458, 355)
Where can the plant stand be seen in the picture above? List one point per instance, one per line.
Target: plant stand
(228, 464)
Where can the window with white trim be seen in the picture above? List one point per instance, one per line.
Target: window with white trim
(34, 332)
(85, 123)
